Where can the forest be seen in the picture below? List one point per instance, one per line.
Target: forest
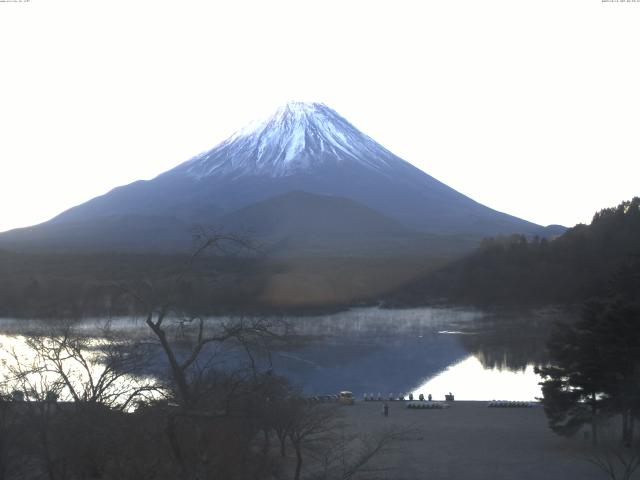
(78, 285)
(516, 270)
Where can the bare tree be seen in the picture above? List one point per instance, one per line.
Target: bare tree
(205, 398)
(104, 369)
(243, 331)
(169, 308)
(73, 389)
(619, 460)
(322, 441)
(309, 423)
(353, 455)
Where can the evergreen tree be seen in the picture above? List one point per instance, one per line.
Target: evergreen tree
(595, 370)
(574, 387)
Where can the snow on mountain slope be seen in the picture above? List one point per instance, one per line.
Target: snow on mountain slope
(309, 147)
(297, 137)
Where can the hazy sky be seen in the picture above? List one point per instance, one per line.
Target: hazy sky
(531, 107)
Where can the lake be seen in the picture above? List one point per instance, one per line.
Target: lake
(473, 354)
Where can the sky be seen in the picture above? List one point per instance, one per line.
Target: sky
(529, 107)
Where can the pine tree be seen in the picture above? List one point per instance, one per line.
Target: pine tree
(595, 370)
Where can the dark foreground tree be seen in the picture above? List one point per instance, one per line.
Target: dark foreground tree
(595, 371)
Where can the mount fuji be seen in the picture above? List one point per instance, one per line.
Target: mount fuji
(304, 172)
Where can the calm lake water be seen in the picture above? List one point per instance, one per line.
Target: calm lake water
(474, 355)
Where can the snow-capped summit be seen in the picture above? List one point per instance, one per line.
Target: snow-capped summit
(297, 136)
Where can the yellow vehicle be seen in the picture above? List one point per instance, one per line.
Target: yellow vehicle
(346, 398)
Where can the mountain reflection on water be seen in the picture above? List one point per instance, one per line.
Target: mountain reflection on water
(475, 355)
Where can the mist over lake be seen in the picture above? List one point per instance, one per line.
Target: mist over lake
(475, 355)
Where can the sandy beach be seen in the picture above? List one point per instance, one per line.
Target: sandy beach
(472, 441)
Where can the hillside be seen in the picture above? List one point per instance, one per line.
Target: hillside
(514, 270)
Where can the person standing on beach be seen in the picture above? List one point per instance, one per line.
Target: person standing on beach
(385, 410)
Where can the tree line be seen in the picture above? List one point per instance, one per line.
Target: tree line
(516, 270)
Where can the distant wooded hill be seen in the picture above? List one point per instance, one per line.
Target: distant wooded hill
(515, 270)
(80, 285)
